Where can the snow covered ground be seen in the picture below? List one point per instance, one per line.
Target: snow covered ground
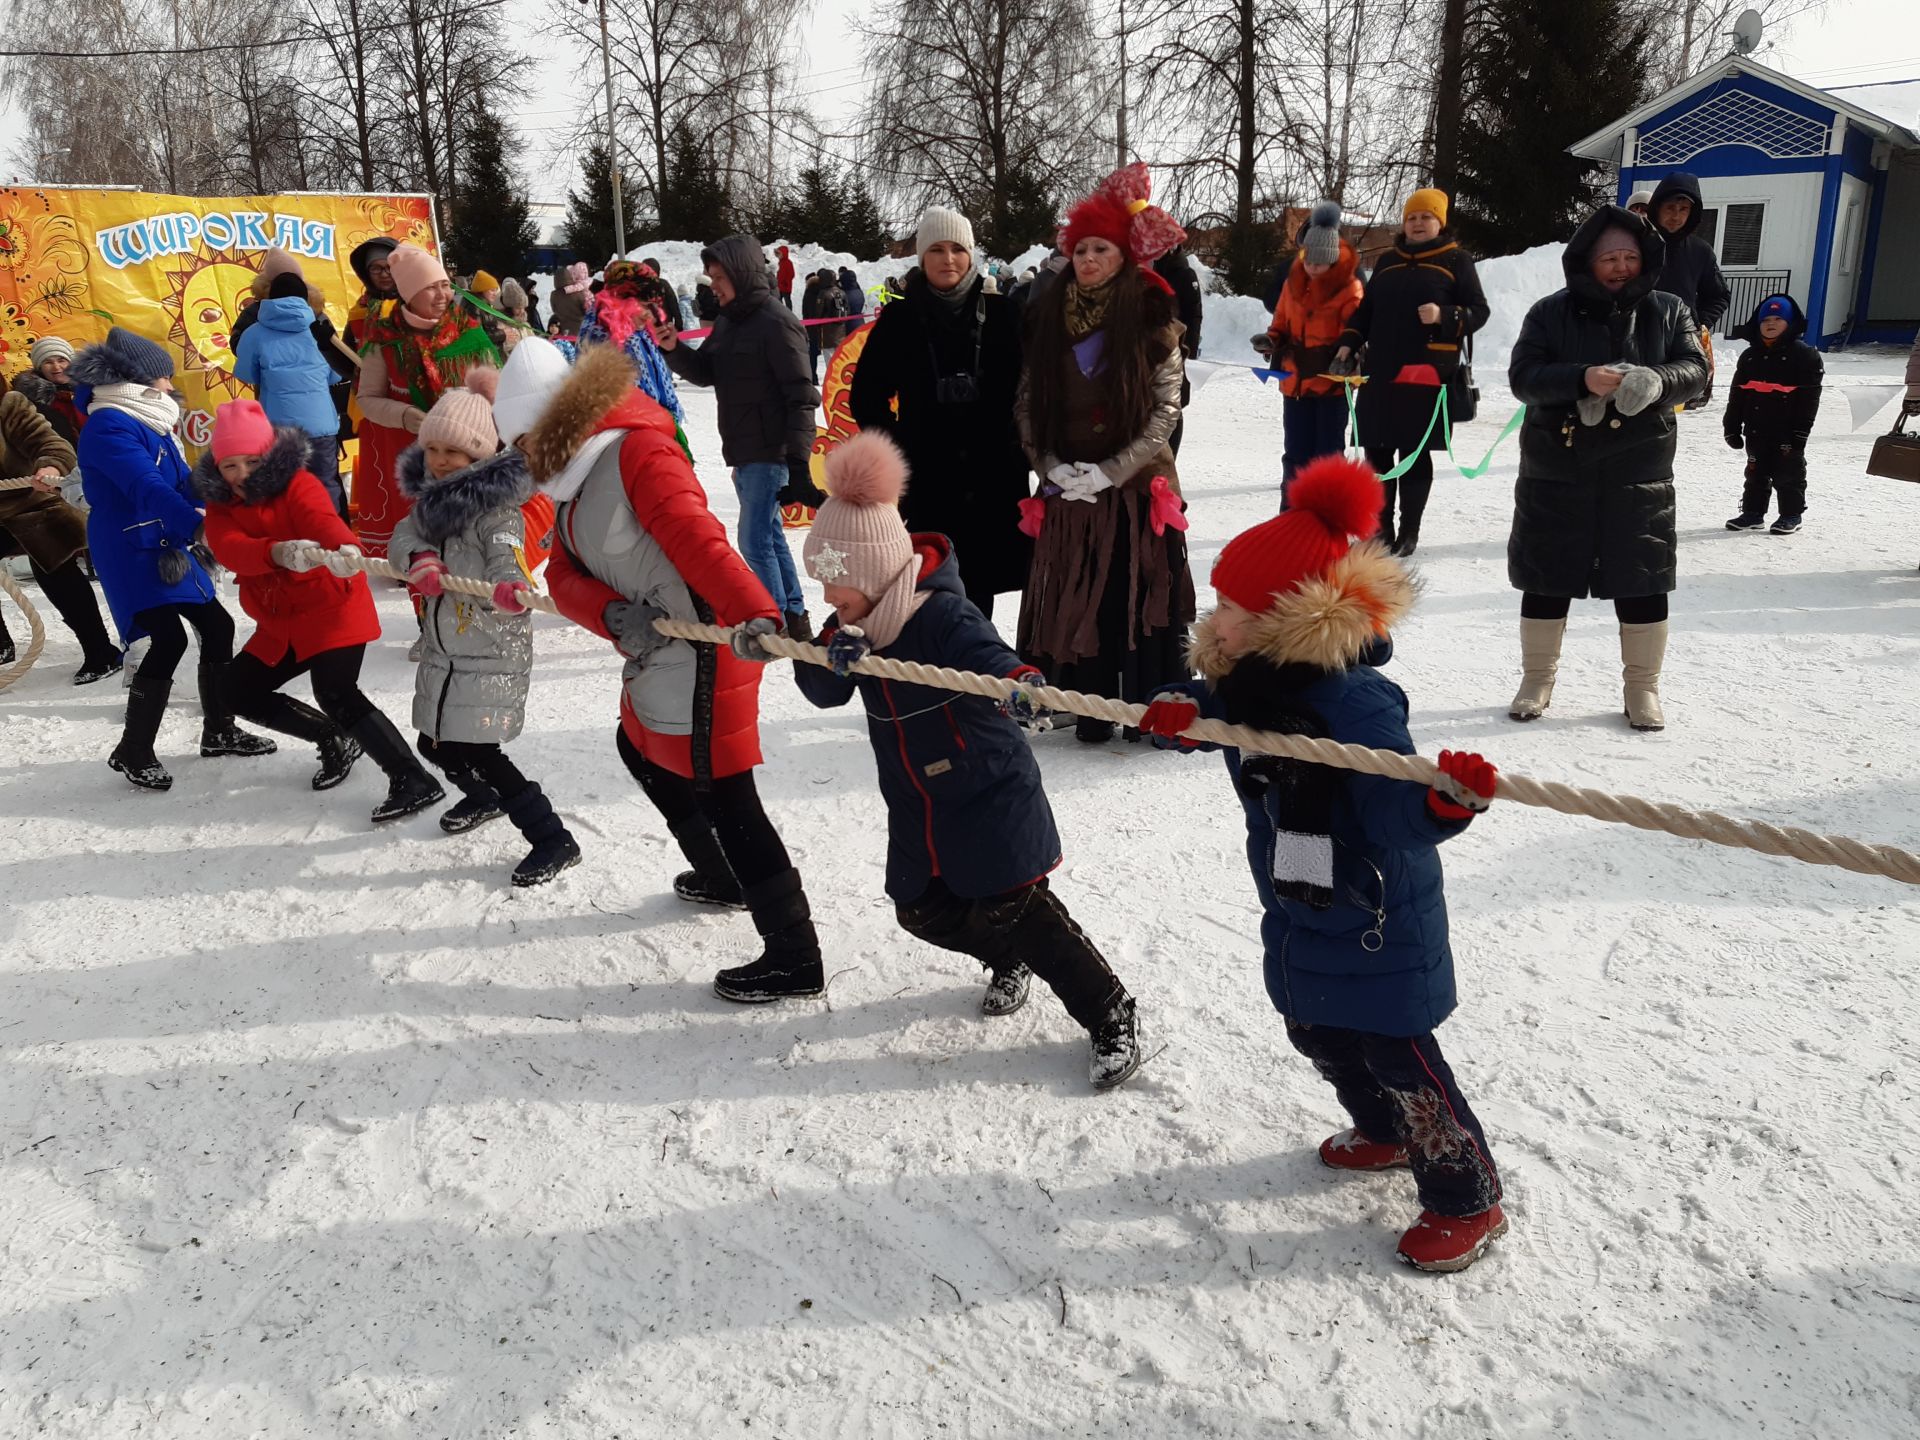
(312, 1130)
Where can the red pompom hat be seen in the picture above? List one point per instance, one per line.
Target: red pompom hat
(1333, 502)
(1120, 210)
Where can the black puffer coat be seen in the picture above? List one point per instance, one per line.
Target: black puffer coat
(1593, 508)
(1394, 409)
(969, 473)
(1775, 395)
(1692, 270)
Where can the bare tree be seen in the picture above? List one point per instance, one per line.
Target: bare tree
(985, 104)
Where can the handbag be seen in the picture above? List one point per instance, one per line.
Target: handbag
(1463, 396)
(1896, 454)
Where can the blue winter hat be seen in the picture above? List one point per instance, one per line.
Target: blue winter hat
(1774, 307)
(123, 358)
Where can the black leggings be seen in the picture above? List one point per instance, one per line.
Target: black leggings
(72, 595)
(731, 805)
(474, 767)
(210, 621)
(336, 683)
(1414, 488)
(1631, 609)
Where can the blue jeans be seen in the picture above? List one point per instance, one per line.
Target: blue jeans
(763, 540)
(323, 462)
(1313, 425)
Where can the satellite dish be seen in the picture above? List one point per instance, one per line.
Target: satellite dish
(1746, 32)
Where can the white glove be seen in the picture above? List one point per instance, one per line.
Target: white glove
(287, 555)
(1083, 481)
(341, 561)
(1639, 388)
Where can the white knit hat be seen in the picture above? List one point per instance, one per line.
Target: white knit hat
(529, 380)
(940, 223)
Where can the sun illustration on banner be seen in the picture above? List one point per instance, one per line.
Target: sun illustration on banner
(202, 303)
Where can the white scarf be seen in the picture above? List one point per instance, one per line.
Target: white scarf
(564, 486)
(155, 409)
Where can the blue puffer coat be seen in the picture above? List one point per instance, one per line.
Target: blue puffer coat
(1378, 958)
(278, 357)
(963, 793)
(136, 481)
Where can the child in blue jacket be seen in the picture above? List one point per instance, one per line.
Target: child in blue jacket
(970, 837)
(283, 362)
(1355, 924)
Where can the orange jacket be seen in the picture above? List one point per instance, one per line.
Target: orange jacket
(1308, 319)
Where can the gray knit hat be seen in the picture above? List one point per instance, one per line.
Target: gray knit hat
(49, 347)
(1321, 245)
(123, 358)
(940, 223)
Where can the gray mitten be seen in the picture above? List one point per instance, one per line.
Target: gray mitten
(630, 622)
(1639, 388)
(1592, 408)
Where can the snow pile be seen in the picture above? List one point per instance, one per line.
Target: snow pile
(1512, 284)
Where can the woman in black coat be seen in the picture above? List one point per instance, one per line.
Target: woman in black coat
(948, 354)
(1600, 366)
(1422, 303)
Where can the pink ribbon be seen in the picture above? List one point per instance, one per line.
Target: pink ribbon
(1033, 513)
(1165, 507)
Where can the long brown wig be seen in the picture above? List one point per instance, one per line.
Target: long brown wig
(1135, 347)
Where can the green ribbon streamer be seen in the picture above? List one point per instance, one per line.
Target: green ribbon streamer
(1440, 417)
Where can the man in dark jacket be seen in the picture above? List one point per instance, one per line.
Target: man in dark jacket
(1770, 412)
(1691, 271)
(1600, 366)
(756, 362)
(1174, 268)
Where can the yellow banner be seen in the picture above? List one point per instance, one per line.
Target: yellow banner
(177, 269)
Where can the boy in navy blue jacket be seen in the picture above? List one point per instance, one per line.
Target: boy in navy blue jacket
(1355, 923)
(1770, 413)
(970, 837)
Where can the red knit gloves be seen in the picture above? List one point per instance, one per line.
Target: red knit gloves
(425, 574)
(1164, 721)
(1464, 786)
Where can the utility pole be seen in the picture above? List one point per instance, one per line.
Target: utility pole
(613, 140)
(1121, 128)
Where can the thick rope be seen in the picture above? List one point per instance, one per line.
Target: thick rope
(1790, 841)
(37, 638)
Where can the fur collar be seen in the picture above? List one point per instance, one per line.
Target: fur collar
(270, 477)
(442, 508)
(601, 380)
(1330, 622)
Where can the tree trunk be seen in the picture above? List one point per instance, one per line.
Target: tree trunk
(1247, 248)
(1447, 99)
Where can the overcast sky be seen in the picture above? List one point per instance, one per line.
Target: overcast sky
(1851, 42)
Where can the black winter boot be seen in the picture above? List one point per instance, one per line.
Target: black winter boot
(289, 716)
(799, 626)
(410, 789)
(218, 734)
(553, 850)
(338, 751)
(72, 595)
(789, 964)
(710, 881)
(1116, 1046)
(475, 807)
(133, 757)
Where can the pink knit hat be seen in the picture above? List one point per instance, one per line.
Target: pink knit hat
(463, 418)
(280, 261)
(413, 271)
(241, 427)
(858, 538)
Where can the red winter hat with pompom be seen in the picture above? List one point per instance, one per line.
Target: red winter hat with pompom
(858, 538)
(1121, 211)
(1332, 502)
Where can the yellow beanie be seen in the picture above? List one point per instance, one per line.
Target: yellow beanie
(483, 282)
(1426, 202)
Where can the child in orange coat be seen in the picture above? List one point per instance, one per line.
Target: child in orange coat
(1319, 297)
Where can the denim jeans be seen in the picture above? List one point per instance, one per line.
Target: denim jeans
(763, 540)
(323, 462)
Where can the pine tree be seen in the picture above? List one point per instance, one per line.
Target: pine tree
(1542, 73)
(694, 204)
(589, 229)
(490, 227)
(862, 231)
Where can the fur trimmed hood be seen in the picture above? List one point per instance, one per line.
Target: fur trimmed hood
(270, 478)
(1330, 622)
(601, 383)
(445, 507)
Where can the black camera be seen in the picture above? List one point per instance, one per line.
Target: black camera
(956, 390)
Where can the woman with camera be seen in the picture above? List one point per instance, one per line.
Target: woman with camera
(1110, 594)
(938, 374)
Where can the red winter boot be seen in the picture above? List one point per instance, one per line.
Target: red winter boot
(1446, 1243)
(1350, 1150)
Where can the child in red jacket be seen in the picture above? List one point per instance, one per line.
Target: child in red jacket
(313, 615)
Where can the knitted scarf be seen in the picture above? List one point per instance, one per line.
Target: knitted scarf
(155, 409)
(430, 364)
(1298, 796)
(1087, 306)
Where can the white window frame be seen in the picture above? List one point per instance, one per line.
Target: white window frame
(1851, 234)
(1720, 234)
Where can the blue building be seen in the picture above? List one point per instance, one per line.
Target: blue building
(1813, 192)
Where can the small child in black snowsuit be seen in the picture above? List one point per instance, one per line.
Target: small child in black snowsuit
(1771, 407)
(971, 838)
